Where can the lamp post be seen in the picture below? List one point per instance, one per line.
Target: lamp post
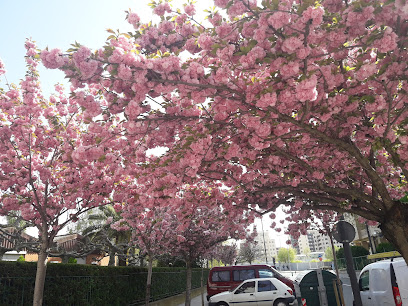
(369, 239)
(263, 236)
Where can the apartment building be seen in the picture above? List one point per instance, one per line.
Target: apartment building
(314, 241)
(269, 246)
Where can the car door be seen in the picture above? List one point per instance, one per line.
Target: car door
(364, 285)
(244, 294)
(374, 289)
(266, 293)
(380, 287)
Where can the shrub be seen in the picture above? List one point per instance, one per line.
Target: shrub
(68, 284)
(72, 260)
(356, 251)
(385, 247)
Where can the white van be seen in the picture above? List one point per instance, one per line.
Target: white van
(384, 283)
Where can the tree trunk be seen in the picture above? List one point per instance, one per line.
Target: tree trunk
(202, 286)
(64, 259)
(40, 274)
(111, 258)
(395, 228)
(188, 283)
(122, 261)
(149, 279)
(122, 258)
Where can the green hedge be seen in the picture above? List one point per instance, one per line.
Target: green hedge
(68, 284)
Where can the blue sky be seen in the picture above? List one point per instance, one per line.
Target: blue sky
(57, 24)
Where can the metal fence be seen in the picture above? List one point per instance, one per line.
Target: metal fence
(97, 290)
(359, 262)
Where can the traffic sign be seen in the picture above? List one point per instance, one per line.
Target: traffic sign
(344, 232)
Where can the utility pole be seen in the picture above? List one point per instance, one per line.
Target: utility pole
(369, 239)
(263, 236)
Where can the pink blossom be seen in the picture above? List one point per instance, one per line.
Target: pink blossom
(134, 20)
(403, 140)
(162, 8)
(81, 55)
(258, 143)
(221, 3)
(279, 19)
(124, 72)
(117, 56)
(388, 42)
(88, 68)
(205, 41)
(237, 8)
(290, 69)
(291, 44)
(109, 220)
(266, 100)
(224, 29)
(133, 109)
(318, 175)
(303, 52)
(263, 130)
(52, 59)
(366, 71)
(314, 14)
(2, 69)
(189, 9)
(306, 89)
(181, 238)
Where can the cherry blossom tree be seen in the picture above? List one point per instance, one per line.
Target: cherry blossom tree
(189, 223)
(199, 231)
(226, 253)
(52, 168)
(151, 230)
(249, 251)
(296, 102)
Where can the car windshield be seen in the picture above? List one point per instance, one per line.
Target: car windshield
(264, 273)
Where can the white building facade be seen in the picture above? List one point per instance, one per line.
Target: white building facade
(269, 247)
(314, 241)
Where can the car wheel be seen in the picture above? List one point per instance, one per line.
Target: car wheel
(280, 303)
(222, 304)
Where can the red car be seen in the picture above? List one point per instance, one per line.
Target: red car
(226, 278)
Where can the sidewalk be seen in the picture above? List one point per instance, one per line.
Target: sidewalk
(180, 299)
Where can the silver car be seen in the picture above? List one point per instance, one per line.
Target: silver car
(257, 292)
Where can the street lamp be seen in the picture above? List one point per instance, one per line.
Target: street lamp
(263, 236)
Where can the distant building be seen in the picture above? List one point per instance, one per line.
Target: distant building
(64, 244)
(314, 241)
(269, 246)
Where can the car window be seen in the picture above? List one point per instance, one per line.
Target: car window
(248, 287)
(265, 286)
(364, 282)
(241, 275)
(221, 276)
(379, 277)
(265, 273)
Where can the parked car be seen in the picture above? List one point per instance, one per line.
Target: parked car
(256, 291)
(384, 283)
(227, 278)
